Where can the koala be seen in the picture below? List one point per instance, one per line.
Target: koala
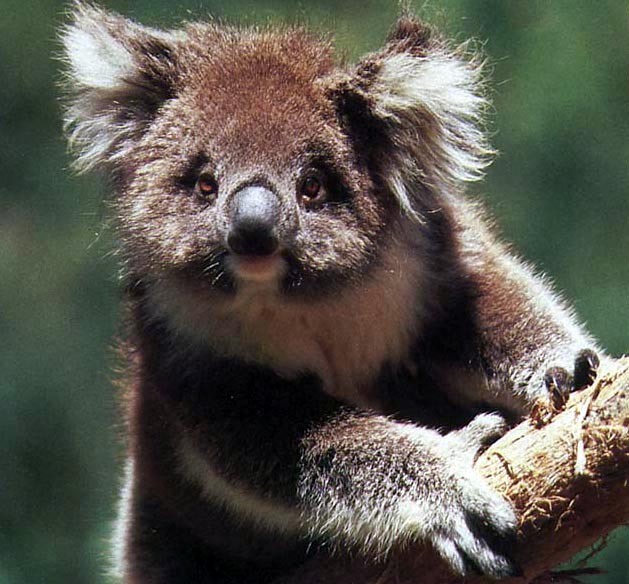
(323, 329)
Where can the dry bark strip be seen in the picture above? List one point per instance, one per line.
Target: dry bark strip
(567, 474)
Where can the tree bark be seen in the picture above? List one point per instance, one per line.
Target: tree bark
(566, 473)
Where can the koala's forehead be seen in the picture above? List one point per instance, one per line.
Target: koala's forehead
(260, 92)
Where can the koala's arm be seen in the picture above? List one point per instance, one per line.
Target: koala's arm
(356, 480)
(529, 341)
(378, 484)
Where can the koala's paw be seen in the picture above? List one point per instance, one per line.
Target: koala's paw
(560, 383)
(473, 527)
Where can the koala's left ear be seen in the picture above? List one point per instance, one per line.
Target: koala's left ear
(118, 74)
(426, 101)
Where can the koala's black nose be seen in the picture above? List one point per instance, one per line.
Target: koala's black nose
(253, 227)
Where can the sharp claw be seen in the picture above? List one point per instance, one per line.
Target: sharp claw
(559, 384)
(585, 368)
(471, 566)
(490, 557)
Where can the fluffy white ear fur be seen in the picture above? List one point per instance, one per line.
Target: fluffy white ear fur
(97, 57)
(111, 78)
(438, 97)
(431, 103)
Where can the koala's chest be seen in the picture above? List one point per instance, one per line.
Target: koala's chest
(345, 338)
(345, 349)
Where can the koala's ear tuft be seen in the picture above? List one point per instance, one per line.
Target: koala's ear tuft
(426, 101)
(118, 74)
(411, 35)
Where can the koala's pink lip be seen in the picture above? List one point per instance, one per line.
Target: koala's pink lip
(258, 267)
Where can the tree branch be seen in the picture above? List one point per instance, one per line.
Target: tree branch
(567, 474)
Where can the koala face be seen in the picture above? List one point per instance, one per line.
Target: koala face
(245, 155)
(247, 174)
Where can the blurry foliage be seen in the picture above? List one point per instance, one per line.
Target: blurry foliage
(560, 191)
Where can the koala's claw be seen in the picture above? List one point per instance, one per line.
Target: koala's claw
(585, 368)
(560, 383)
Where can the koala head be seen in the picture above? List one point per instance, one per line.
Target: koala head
(253, 155)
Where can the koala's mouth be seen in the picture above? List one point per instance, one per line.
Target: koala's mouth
(266, 268)
(285, 270)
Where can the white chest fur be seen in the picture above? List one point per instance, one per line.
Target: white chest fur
(344, 338)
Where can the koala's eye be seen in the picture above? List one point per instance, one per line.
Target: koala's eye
(206, 186)
(311, 191)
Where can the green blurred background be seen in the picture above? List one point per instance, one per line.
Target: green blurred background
(560, 191)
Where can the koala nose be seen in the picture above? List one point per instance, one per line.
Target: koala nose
(253, 227)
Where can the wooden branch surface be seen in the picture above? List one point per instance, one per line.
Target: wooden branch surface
(566, 473)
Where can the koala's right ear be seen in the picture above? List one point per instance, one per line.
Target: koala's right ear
(419, 103)
(118, 74)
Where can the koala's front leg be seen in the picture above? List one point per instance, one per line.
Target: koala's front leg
(529, 343)
(376, 484)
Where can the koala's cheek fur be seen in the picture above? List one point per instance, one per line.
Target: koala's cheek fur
(339, 247)
(162, 225)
